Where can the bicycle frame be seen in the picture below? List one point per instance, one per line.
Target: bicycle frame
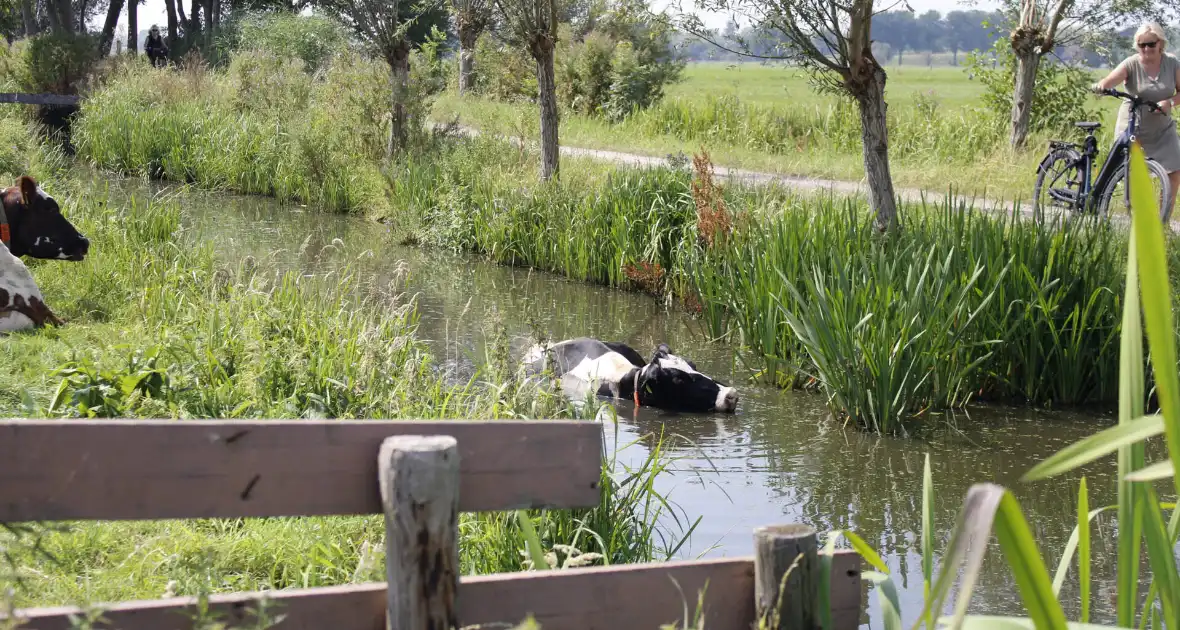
(1115, 160)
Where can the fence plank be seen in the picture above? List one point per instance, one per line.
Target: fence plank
(624, 597)
(160, 469)
(39, 99)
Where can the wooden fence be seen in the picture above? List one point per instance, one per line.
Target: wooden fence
(420, 475)
(39, 99)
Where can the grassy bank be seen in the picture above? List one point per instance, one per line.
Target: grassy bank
(159, 326)
(961, 304)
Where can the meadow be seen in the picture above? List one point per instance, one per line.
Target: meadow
(769, 118)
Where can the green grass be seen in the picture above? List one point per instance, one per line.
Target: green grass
(959, 305)
(158, 326)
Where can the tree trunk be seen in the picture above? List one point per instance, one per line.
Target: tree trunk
(29, 16)
(869, 88)
(133, 26)
(183, 20)
(468, 36)
(108, 27)
(399, 86)
(955, 57)
(542, 48)
(170, 5)
(1022, 95)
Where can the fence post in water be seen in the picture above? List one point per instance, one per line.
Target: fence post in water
(419, 480)
(786, 551)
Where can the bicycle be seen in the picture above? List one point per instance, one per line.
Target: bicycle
(1081, 193)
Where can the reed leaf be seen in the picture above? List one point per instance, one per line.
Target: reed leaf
(1156, 296)
(1083, 529)
(1154, 472)
(1159, 552)
(1096, 446)
(886, 598)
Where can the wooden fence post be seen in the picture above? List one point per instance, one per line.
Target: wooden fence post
(791, 551)
(419, 479)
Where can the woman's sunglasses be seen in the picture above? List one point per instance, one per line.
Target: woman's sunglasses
(1150, 44)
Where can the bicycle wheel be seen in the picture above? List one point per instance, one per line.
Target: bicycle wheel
(1115, 199)
(1059, 180)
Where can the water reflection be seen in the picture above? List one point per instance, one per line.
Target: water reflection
(779, 459)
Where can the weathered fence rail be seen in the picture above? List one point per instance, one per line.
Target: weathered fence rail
(420, 475)
(39, 99)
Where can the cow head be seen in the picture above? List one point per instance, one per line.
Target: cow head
(672, 382)
(36, 225)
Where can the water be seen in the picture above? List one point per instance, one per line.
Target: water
(779, 459)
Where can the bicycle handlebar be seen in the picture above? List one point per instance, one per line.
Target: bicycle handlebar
(1135, 100)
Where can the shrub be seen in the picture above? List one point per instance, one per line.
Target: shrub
(313, 39)
(59, 63)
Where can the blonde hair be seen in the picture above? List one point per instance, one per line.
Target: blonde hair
(1154, 29)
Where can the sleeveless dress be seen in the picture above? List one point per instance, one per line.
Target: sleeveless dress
(1157, 132)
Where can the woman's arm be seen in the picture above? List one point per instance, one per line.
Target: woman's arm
(1117, 76)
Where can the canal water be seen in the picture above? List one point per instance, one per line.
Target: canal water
(780, 459)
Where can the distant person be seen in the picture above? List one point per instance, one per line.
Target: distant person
(1150, 74)
(156, 49)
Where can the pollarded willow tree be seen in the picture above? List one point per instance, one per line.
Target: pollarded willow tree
(472, 17)
(533, 25)
(833, 40)
(1040, 26)
(389, 27)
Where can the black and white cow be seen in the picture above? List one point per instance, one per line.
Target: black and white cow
(665, 382)
(31, 224)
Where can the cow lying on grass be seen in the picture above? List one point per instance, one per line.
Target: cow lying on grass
(31, 224)
(665, 382)
(21, 304)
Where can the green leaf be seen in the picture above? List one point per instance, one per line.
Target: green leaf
(1131, 457)
(1083, 549)
(886, 598)
(1070, 547)
(1154, 472)
(927, 535)
(532, 541)
(1160, 553)
(1157, 308)
(987, 504)
(1032, 578)
(1095, 446)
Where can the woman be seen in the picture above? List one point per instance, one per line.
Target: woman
(1152, 75)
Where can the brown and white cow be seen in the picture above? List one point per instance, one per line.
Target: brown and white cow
(21, 303)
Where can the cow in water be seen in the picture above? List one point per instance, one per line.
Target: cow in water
(21, 303)
(31, 224)
(665, 382)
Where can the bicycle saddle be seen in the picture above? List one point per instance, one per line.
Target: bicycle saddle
(1087, 126)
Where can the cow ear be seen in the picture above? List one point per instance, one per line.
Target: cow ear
(28, 188)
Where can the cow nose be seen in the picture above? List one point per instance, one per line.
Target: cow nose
(729, 400)
(83, 244)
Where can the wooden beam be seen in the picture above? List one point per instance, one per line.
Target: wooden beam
(621, 597)
(39, 99)
(162, 469)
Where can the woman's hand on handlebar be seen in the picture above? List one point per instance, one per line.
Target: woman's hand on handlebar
(1164, 106)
